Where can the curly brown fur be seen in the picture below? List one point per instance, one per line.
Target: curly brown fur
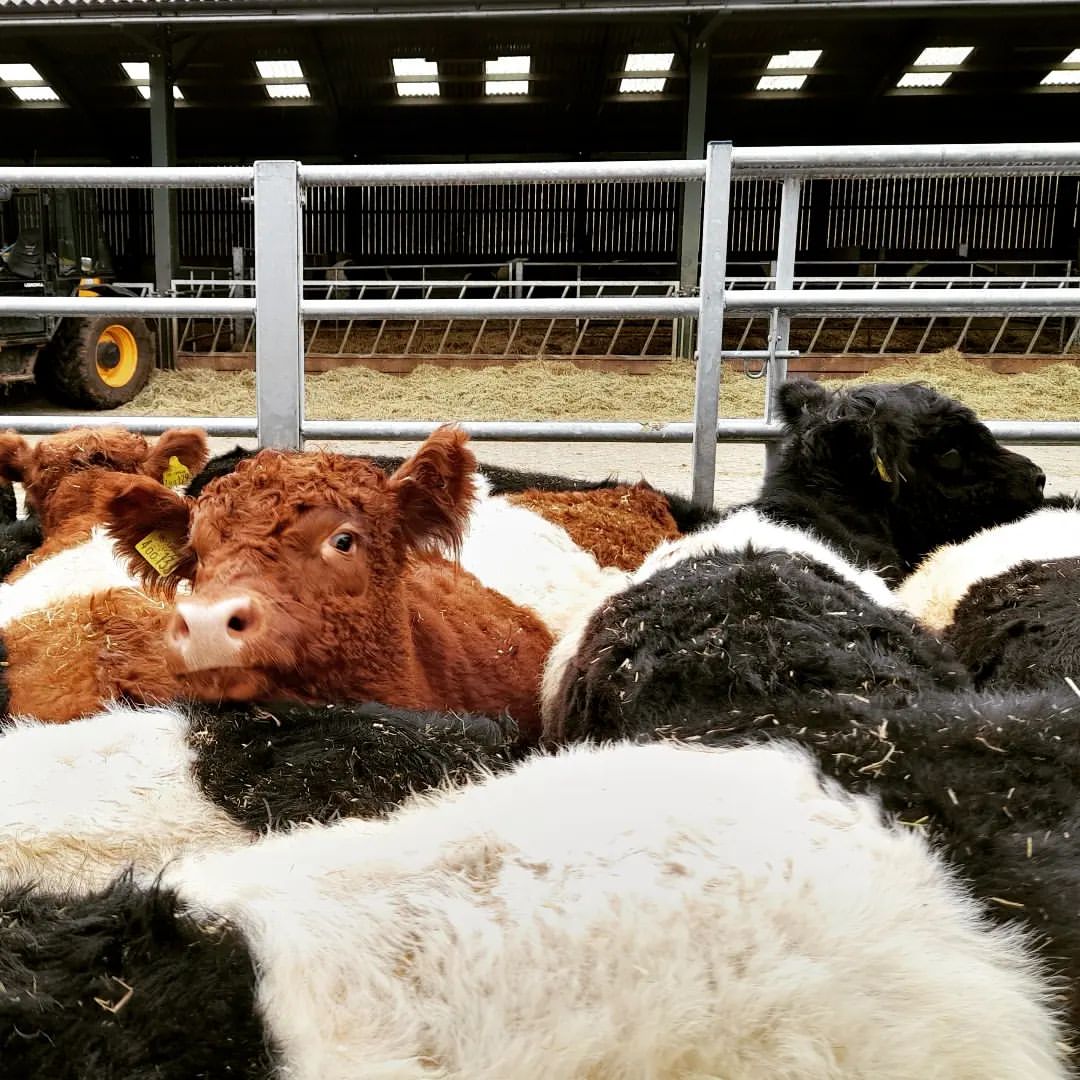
(69, 660)
(379, 619)
(619, 525)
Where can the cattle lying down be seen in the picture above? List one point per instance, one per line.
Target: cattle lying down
(1022, 628)
(1007, 600)
(63, 475)
(886, 473)
(511, 549)
(948, 574)
(134, 788)
(583, 507)
(746, 612)
(618, 525)
(317, 581)
(992, 780)
(631, 911)
(533, 561)
(60, 473)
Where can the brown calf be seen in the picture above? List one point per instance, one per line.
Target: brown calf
(70, 659)
(62, 475)
(619, 525)
(317, 577)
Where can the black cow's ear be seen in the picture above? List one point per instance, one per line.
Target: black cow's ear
(799, 397)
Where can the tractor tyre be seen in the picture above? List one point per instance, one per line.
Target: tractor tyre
(98, 363)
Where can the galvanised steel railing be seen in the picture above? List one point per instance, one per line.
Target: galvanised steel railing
(535, 339)
(279, 306)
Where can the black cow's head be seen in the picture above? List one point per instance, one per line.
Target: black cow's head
(904, 454)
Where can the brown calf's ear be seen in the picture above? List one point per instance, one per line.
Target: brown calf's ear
(150, 526)
(189, 448)
(435, 489)
(14, 456)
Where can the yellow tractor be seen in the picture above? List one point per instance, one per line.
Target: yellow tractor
(58, 249)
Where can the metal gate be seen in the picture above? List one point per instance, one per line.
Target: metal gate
(279, 306)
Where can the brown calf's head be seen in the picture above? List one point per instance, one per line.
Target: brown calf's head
(60, 472)
(289, 557)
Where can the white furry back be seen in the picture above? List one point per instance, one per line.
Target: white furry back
(944, 577)
(748, 527)
(533, 561)
(86, 568)
(627, 912)
(81, 801)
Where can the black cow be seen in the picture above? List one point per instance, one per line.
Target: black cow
(889, 472)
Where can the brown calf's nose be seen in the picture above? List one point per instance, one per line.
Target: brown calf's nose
(212, 634)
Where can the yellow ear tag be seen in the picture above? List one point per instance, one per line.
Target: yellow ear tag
(160, 552)
(177, 474)
(881, 470)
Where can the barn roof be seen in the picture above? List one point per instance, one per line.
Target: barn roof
(578, 52)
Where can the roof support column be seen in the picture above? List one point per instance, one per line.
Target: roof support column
(690, 239)
(163, 152)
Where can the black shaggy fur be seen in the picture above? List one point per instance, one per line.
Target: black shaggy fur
(1062, 502)
(1021, 629)
(8, 506)
(994, 781)
(889, 472)
(739, 629)
(18, 538)
(504, 481)
(120, 985)
(277, 764)
(219, 465)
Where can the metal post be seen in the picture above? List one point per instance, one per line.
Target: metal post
(780, 323)
(239, 326)
(690, 239)
(279, 331)
(163, 152)
(714, 232)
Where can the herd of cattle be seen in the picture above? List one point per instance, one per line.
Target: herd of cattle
(323, 767)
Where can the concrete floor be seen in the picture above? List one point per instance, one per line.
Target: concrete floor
(739, 467)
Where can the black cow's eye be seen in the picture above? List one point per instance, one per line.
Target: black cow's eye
(951, 459)
(343, 541)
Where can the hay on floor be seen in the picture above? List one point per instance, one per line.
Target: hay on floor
(557, 390)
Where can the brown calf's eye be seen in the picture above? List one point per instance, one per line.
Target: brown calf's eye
(343, 541)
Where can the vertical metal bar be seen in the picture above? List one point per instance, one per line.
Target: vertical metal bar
(714, 234)
(691, 238)
(780, 324)
(237, 289)
(279, 364)
(551, 326)
(163, 200)
(416, 325)
(382, 325)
